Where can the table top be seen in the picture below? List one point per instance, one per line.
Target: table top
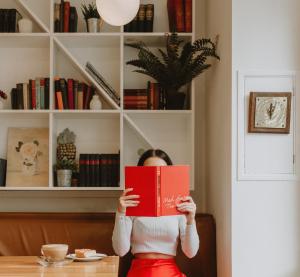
(23, 266)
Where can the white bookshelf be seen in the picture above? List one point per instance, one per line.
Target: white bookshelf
(44, 53)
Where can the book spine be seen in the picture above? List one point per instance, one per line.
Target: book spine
(149, 18)
(141, 18)
(56, 17)
(30, 94)
(25, 96)
(47, 93)
(152, 96)
(134, 25)
(88, 171)
(3, 165)
(82, 168)
(171, 15)
(179, 16)
(56, 91)
(20, 96)
(63, 89)
(97, 171)
(61, 16)
(38, 93)
(66, 16)
(80, 96)
(188, 12)
(70, 94)
(73, 20)
(158, 192)
(13, 97)
(33, 94)
(42, 91)
(87, 97)
(75, 90)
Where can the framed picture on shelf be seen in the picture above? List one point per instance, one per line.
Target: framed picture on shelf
(27, 157)
(269, 112)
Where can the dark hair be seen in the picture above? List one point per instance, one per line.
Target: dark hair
(154, 153)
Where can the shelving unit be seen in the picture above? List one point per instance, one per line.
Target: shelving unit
(45, 53)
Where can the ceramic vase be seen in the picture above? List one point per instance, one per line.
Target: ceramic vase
(95, 103)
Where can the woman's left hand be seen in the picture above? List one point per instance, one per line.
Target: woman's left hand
(189, 208)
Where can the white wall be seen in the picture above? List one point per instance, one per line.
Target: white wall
(265, 214)
(218, 135)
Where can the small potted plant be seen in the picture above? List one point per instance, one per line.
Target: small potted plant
(64, 170)
(3, 96)
(92, 17)
(176, 67)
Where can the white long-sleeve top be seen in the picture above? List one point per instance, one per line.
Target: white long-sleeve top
(154, 235)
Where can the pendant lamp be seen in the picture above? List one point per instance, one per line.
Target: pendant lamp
(117, 12)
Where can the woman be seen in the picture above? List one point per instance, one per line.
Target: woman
(154, 240)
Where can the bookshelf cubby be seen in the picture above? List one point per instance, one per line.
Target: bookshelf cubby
(112, 129)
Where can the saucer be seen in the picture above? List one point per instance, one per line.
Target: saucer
(96, 257)
(44, 262)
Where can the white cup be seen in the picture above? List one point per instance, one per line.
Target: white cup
(25, 25)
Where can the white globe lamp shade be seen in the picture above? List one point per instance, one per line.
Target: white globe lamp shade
(117, 12)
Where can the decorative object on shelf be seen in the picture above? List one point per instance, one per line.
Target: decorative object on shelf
(25, 25)
(64, 171)
(65, 156)
(143, 21)
(3, 96)
(118, 12)
(180, 13)
(9, 20)
(95, 103)
(65, 17)
(3, 164)
(175, 68)
(27, 157)
(92, 18)
(270, 112)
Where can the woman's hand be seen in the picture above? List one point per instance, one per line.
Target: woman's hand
(189, 208)
(127, 201)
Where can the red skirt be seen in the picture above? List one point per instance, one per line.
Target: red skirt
(154, 268)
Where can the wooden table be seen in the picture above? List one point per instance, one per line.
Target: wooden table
(28, 267)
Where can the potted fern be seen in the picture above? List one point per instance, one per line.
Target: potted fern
(175, 67)
(92, 17)
(64, 169)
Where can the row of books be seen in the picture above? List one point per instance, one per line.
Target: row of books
(33, 95)
(65, 17)
(9, 20)
(99, 170)
(143, 21)
(103, 83)
(71, 94)
(152, 98)
(180, 15)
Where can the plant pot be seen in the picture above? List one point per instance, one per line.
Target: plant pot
(175, 100)
(94, 25)
(64, 177)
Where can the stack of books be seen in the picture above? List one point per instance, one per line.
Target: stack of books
(99, 170)
(143, 21)
(103, 83)
(71, 94)
(33, 95)
(9, 20)
(152, 98)
(65, 17)
(180, 15)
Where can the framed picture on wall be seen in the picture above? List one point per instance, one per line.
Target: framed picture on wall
(270, 112)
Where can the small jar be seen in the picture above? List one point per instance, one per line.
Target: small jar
(95, 103)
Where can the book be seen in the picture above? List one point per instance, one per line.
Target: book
(33, 95)
(38, 93)
(64, 93)
(66, 16)
(134, 24)
(188, 15)
(80, 97)
(141, 18)
(20, 103)
(149, 18)
(61, 16)
(25, 96)
(14, 98)
(3, 165)
(176, 15)
(75, 93)
(160, 189)
(70, 94)
(56, 17)
(73, 20)
(82, 169)
(42, 93)
(9, 20)
(47, 93)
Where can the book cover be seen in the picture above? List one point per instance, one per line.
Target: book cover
(38, 93)
(66, 16)
(149, 18)
(160, 188)
(3, 165)
(61, 16)
(70, 94)
(47, 93)
(63, 89)
(80, 96)
(141, 18)
(33, 95)
(188, 13)
(30, 94)
(20, 105)
(82, 169)
(87, 98)
(56, 90)
(179, 16)
(75, 94)
(14, 99)
(25, 96)
(42, 93)
(56, 17)
(134, 24)
(73, 20)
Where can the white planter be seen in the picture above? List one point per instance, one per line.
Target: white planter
(93, 25)
(25, 25)
(64, 177)
(95, 103)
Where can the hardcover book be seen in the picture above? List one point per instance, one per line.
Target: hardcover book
(160, 189)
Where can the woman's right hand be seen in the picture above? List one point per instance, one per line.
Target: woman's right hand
(127, 201)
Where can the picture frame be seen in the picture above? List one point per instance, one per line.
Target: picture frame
(269, 112)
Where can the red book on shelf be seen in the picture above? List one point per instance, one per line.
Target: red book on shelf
(188, 15)
(70, 94)
(66, 16)
(160, 189)
(33, 95)
(87, 98)
(176, 15)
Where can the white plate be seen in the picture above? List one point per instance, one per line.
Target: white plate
(96, 257)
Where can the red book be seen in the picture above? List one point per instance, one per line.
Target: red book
(176, 15)
(66, 16)
(188, 15)
(87, 98)
(160, 188)
(70, 94)
(33, 95)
